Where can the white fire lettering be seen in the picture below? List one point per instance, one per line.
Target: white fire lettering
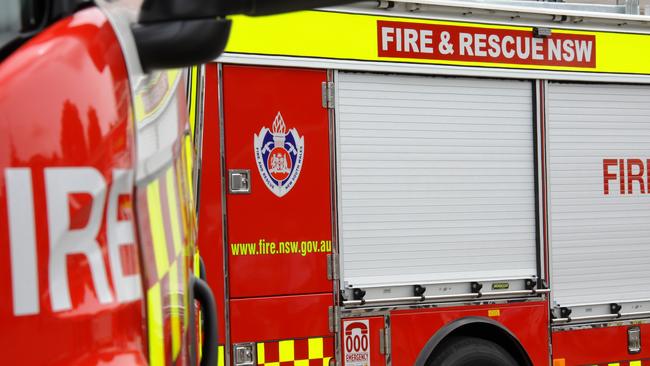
(569, 49)
(407, 39)
(484, 45)
(64, 241)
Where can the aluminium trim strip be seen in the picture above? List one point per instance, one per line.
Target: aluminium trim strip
(501, 279)
(604, 303)
(528, 10)
(602, 316)
(428, 69)
(445, 297)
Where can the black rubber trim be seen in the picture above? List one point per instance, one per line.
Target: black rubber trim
(445, 331)
(203, 294)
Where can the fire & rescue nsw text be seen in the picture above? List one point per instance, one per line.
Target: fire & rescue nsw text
(476, 44)
(263, 247)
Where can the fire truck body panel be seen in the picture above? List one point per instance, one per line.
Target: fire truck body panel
(402, 129)
(286, 233)
(280, 317)
(412, 329)
(599, 345)
(269, 302)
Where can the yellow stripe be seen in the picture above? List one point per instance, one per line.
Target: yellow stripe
(635, 363)
(614, 364)
(260, 353)
(193, 96)
(301, 363)
(155, 325)
(173, 211)
(189, 163)
(188, 239)
(286, 350)
(175, 309)
(315, 348)
(326, 361)
(220, 357)
(186, 295)
(197, 264)
(157, 228)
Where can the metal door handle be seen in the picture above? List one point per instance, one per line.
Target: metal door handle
(239, 181)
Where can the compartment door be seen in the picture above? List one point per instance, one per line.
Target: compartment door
(436, 179)
(598, 154)
(278, 191)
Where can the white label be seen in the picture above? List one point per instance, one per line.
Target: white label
(356, 345)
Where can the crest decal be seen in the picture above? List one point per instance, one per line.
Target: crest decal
(279, 155)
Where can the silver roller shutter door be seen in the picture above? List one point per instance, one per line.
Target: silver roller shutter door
(600, 244)
(435, 179)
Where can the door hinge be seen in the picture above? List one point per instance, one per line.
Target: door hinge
(385, 342)
(385, 345)
(333, 318)
(327, 93)
(333, 266)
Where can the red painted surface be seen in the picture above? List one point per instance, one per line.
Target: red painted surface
(279, 317)
(65, 102)
(598, 345)
(474, 44)
(253, 97)
(210, 238)
(376, 327)
(411, 329)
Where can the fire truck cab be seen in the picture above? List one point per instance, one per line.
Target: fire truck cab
(98, 181)
(97, 212)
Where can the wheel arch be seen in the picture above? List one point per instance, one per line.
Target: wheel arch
(479, 327)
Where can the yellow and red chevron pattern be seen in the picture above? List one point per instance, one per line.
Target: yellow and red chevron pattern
(645, 362)
(164, 228)
(296, 352)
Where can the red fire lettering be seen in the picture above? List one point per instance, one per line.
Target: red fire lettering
(621, 175)
(607, 176)
(638, 176)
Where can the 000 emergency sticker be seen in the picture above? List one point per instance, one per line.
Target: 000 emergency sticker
(356, 342)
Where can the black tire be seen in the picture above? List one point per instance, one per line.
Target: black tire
(471, 351)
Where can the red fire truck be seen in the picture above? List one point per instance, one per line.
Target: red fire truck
(430, 183)
(97, 210)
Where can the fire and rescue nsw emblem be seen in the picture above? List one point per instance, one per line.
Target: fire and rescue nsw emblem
(279, 156)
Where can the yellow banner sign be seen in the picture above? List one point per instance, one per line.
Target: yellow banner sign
(364, 37)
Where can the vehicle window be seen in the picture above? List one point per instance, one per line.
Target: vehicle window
(18, 20)
(9, 21)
